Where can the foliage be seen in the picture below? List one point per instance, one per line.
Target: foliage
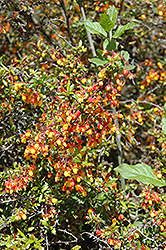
(70, 123)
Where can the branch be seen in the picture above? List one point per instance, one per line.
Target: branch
(67, 242)
(96, 238)
(88, 34)
(145, 102)
(67, 20)
(120, 155)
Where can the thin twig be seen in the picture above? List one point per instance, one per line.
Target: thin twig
(67, 19)
(146, 102)
(120, 154)
(96, 238)
(60, 36)
(67, 242)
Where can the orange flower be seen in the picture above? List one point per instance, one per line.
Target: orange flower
(90, 210)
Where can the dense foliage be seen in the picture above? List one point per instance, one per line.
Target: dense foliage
(82, 106)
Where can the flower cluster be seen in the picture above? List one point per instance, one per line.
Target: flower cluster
(17, 182)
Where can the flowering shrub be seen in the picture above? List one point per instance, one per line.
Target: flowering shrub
(74, 126)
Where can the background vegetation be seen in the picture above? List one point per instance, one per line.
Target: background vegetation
(75, 120)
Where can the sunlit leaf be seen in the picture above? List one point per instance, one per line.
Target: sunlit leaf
(122, 28)
(94, 28)
(98, 61)
(112, 12)
(106, 23)
(140, 172)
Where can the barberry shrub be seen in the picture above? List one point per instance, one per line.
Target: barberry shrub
(68, 120)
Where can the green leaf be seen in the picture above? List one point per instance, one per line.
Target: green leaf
(105, 44)
(79, 155)
(45, 187)
(165, 108)
(102, 197)
(164, 234)
(109, 183)
(109, 45)
(121, 29)
(21, 234)
(76, 160)
(94, 28)
(112, 12)
(45, 223)
(164, 124)
(68, 86)
(130, 67)
(98, 61)
(99, 52)
(125, 55)
(106, 23)
(72, 87)
(140, 172)
(138, 224)
(30, 229)
(77, 247)
(40, 198)
(29, 242)
(53, 230)
(164, 121)
(123, 204)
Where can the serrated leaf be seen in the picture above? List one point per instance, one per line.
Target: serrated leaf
(121, 29)
(40, 240)
(106, 23)
(107, 153)
(112, 12)
(75, 97)
(140, 172)
(94, 28)
(138, 224)
(98, 61)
